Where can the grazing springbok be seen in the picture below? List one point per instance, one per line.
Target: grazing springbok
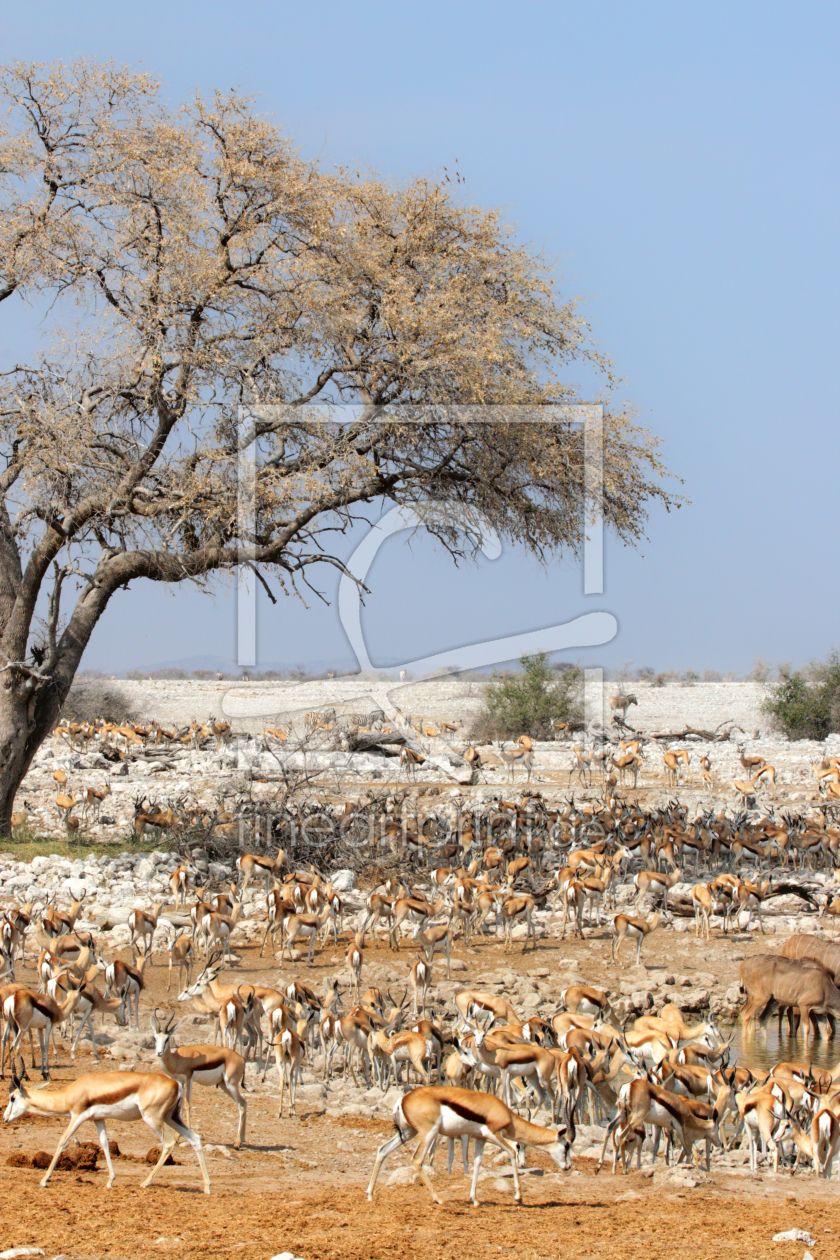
(411, 760)
(431, 1112)
(641, 1102)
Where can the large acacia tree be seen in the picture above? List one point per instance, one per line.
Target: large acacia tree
(205, 288)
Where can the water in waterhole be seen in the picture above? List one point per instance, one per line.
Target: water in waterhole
(764, 1047)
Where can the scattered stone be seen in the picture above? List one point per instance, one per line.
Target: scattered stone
(315, 1092)
(795, 1235)
(13, 1252)
(405, 1176)
(343, 881)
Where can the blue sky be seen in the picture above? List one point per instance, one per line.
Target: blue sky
(679, 162)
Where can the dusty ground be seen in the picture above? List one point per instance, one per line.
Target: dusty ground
(249, 705)
(574, 1216)
(299, 1184)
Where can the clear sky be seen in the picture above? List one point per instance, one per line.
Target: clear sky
(679, 161)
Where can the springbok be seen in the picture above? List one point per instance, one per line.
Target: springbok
(421, 975)
(289, 1053)
(180, 951)
(629, 761)
(204, 1065)
(251, 863)
(355, 960)
(143, 924)
(178, 881)
(145, 1096)
(432, 1111)
(304, 925)
(411, 760)
(23, 1011)
(127, 981)
(519, 754)
(636, 929)
(218, 929)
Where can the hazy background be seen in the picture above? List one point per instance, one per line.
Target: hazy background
(679, 162)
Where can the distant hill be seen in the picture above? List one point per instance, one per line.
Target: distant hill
(225, 665)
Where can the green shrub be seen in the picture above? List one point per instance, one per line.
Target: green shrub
(526, 703)
(805, 703)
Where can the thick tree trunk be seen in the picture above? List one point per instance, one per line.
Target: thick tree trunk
(26, 719)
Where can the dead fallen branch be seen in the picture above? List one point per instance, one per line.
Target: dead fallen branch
(719, 735)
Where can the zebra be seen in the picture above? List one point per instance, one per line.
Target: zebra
(372, 720)
(318, 718)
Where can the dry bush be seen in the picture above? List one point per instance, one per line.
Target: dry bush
(95, 696)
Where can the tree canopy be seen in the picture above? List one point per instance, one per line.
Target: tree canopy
(209, 287)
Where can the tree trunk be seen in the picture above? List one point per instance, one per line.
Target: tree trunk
(26, 718)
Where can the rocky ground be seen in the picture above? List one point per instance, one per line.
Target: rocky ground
(298, 1185)
(112, 886)
(256, 768)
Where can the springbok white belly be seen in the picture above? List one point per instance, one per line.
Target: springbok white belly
(127, 1109)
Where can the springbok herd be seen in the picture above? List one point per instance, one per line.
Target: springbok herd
(480, 1068)
(100, 779)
